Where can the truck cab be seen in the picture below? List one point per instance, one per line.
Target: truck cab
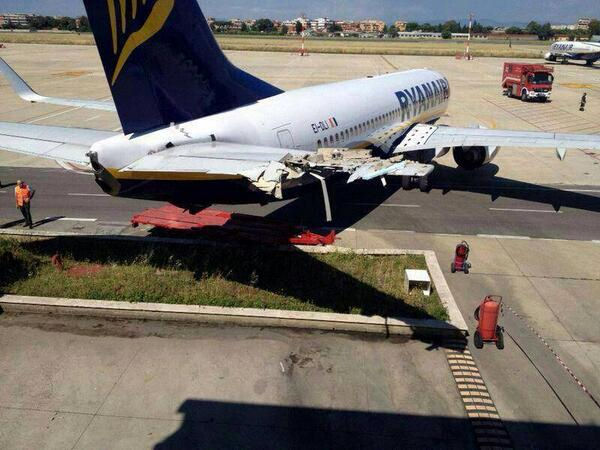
(527, 81)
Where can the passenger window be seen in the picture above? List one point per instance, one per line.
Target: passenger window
(331, 139)
(326, 142)
(319, 143)
(347, 135)
(337, 137)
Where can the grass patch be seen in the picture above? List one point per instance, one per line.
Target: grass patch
(520, 49)
(249, 277)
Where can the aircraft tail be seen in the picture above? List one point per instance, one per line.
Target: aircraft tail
(164, 65)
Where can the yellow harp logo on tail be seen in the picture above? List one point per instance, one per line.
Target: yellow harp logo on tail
(128, 11)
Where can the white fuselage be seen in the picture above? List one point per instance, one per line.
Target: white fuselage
(576, 50)
(340, 114)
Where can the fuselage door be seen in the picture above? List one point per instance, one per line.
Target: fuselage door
(285, 139)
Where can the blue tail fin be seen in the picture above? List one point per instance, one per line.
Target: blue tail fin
(163, 64)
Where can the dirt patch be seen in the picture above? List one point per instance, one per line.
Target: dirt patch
(84, 271)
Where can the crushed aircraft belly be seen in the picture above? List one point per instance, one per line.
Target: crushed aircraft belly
(269, 178)
(358, 164)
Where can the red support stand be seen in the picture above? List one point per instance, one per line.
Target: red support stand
(224, 225)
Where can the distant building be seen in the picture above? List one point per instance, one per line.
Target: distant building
(372, 26)
(321, 24)
(419, 35)
(291, 24)
(17, 20)
(349, 26)
(583, 23)
(400, 25)
(563, 27)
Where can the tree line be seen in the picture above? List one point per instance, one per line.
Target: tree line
(51, 23)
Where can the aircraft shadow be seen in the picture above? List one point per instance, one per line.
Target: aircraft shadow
(296, 275)
(485, 181)
(308, 210)
(225, 425)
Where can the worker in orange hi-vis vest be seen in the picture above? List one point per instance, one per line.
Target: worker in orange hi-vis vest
(23, 196)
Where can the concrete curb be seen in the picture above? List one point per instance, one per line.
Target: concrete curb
(232, 316)
(257, 317)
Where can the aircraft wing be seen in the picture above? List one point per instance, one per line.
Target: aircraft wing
(58, 143)
(430, 136)
(24, 91)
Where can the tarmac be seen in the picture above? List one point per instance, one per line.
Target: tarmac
(532, 223)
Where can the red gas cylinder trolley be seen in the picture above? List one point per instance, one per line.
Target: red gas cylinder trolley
(461, 255)
(488, 330)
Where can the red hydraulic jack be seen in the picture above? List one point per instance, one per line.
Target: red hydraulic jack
(215, 224)
(488, 330)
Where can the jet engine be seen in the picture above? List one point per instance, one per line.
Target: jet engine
(550, 57)
(471, 158)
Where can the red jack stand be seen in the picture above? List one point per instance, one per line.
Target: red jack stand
(213, 223)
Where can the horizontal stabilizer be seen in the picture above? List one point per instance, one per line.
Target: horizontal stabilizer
(23, 90)
(58, 143)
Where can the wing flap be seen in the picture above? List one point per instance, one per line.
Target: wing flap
(215, 157)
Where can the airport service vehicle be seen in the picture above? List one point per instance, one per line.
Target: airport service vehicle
(575, 50)
(488, 330)
(461, 256)
(527, 81)
(198, 130)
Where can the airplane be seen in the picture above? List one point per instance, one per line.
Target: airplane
(198, 130)
(576, 50)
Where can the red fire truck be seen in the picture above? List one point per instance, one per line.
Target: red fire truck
(527, 81)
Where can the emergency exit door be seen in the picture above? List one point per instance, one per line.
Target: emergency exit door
(285, 139)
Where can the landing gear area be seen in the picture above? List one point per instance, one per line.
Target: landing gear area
(410, 182)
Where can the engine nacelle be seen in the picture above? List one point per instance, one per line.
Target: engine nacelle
(471, 158)
(550, 57)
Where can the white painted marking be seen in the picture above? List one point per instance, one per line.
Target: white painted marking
(391, 205)
(73, 219)
(500, 236)
(88, 195)
(526, 210)
(118, 129)
(595, 242)
(92, 118)
(282, 368)
(583, 190)
(49, 116)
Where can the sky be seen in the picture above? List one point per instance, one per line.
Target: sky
(505, 11)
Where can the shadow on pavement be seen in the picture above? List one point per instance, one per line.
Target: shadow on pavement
(39, 223)
(216, 425)
(484, 181)
(308, 210)
(295, 275)
(14, 223)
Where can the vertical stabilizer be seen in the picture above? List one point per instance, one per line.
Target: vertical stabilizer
(164, 65)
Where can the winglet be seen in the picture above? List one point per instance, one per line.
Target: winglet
(561, 153)
(19, 85)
